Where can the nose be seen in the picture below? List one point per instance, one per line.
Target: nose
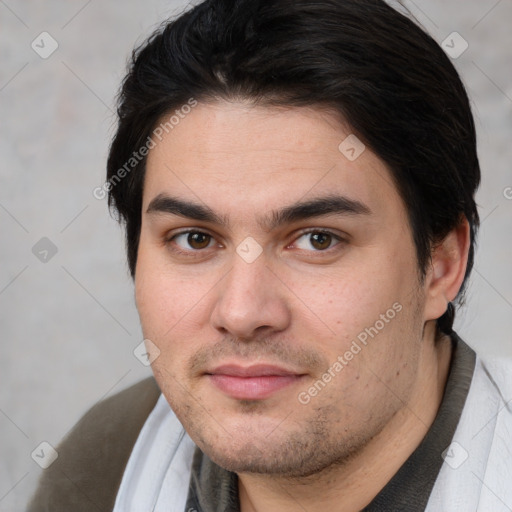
(250, 301)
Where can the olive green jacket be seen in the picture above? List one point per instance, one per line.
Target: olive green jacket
(92, 458)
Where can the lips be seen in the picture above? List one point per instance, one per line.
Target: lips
(255, 382)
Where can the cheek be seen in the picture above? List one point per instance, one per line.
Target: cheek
(370, 307)
(156, 293)
(164, 302)
(172, 307)
(352, 298)
(162, 317)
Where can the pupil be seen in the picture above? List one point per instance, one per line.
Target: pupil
(321, 240)
(198, 240)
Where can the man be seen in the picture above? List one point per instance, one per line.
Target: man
(297, 184)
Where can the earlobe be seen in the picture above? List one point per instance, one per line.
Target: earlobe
(446, 273)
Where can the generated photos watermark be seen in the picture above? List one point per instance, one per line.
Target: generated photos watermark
(137, 156)
(363, 338)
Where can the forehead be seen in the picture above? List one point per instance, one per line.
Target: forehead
(240, 159)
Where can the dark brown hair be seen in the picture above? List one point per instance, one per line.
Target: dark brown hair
(381, 72)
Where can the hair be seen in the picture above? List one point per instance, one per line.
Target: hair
(383, 74)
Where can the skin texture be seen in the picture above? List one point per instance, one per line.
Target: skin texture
(299, 305)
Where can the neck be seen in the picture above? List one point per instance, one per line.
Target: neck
(353, 485)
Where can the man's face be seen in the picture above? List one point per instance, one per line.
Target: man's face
(250, 329)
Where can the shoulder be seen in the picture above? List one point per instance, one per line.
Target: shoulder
(499, 373)
(491, 372)
(92, 457)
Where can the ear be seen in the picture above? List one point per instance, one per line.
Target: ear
(446, 274)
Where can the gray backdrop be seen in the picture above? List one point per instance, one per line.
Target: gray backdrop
(68, 321)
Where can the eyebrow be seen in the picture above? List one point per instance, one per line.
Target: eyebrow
(320, 206)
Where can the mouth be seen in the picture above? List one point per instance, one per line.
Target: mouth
(255, 382)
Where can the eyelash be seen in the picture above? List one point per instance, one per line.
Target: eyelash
(191, 253)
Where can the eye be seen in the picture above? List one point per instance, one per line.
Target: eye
(317, 240)
(193, 240)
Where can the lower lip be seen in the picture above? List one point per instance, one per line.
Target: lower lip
(252, 388)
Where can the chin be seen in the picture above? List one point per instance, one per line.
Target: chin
(289, 455)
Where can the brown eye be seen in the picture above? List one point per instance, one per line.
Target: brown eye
(320, 241)
(192, 240)
(198, 240)
(316, 241)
